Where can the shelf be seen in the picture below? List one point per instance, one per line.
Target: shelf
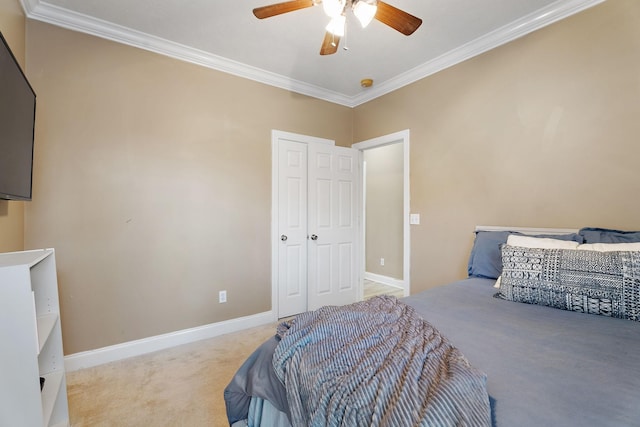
(30, 319)
(46, 324)
(52, 383)
(29, 258)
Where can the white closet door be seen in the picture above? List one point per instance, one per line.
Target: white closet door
(316, 232)
(292, 228)
(332, 225)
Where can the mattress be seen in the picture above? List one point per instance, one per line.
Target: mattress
(544, 366)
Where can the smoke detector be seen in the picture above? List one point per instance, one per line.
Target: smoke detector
(366, 82)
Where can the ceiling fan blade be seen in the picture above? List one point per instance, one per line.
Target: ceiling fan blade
(397, 19)
(280, 8)
(329, 44)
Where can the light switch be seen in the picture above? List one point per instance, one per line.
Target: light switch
(414, 219)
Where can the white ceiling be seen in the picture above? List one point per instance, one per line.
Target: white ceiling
(283, 51)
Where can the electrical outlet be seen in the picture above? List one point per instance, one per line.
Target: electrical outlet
(222, 297)
(381, 261)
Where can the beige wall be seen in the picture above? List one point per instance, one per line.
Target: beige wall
(12, 23)
(152, 176)
(153, 182)
(540, 132)
(384, 210)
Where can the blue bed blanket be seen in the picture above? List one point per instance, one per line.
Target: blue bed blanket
(376, 363)
(255, 378)
(544, 366)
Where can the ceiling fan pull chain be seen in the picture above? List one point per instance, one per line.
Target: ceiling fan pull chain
(346, 40)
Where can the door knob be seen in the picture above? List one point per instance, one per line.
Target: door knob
(314, 237)
(283, 238)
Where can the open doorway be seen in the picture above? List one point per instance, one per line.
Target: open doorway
(385, 225)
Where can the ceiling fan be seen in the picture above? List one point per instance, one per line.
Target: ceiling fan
(364, 10)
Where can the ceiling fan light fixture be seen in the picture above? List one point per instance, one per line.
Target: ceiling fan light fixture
(333, 8)
(365, 10)
(336, 25)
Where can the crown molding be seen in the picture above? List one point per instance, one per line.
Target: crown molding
(514, 30)
(65, 18)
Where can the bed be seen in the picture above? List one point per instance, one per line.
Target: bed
(546, 360)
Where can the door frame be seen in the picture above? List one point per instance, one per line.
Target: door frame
(277, 135)
(401, 137)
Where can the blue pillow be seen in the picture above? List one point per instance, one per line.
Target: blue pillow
(486, 258)
(604, 235)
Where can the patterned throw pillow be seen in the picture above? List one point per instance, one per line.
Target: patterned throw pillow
(485, 259)
(605, 283)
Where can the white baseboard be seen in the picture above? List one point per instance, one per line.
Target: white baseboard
(87, 359)
(385, 280)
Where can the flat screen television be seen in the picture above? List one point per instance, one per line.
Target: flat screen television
(17, 121)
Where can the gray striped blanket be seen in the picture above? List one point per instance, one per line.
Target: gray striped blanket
(376, 363)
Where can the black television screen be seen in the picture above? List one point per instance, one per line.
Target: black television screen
(17, 119)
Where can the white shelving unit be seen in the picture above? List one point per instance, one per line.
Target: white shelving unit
(31, 338)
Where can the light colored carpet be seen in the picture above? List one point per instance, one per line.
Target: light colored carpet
(181, 386)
